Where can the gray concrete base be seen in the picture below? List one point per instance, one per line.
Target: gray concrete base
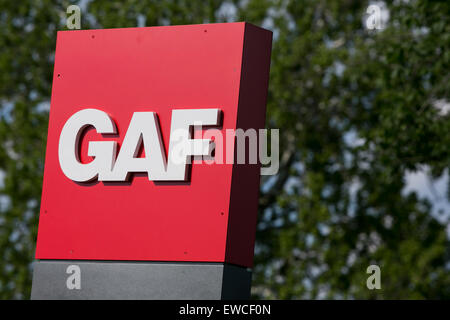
(104, 280)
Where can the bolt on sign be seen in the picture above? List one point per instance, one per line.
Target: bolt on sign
(129, 110)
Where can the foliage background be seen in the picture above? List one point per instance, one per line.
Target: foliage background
(358, 110)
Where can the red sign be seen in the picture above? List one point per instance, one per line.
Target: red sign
(123, 77)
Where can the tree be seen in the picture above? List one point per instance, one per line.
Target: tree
(356, 108)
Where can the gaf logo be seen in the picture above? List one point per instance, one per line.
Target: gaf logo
(134, 88)
(143, 129)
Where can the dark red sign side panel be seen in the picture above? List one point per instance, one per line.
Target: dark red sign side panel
(158, 69)
(251, 114)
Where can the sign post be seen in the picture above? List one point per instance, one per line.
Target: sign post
(121, 216)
